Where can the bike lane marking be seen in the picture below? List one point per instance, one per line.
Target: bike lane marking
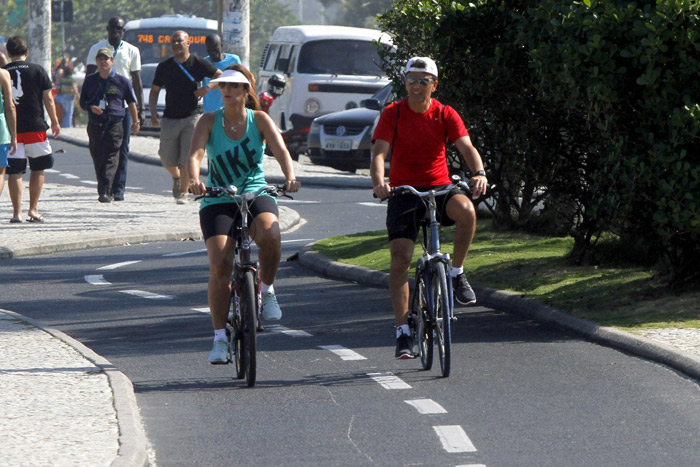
(454, 438)
(343, 352)
(389, 381)
(286, 331)
(426, 406)
(117, 265)
(149, 295)
(96, 279)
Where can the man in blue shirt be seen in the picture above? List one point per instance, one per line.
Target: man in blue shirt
(103, 96)
(212, 101)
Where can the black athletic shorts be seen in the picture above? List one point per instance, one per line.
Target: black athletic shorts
(17, 165)
(404, 213)
(220, 218)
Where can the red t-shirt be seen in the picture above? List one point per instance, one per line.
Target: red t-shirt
(418, 155)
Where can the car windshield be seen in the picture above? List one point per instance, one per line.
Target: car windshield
(340, 57)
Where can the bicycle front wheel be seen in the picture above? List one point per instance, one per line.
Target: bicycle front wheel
(421, 320)
(249, 301)
(235, 335)
(443, 324)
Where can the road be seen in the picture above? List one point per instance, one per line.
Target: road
(329, 391)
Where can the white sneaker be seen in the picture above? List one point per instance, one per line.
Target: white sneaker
(270, 307)
(182, 199)
(219, 352)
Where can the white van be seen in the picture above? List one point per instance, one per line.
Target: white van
(327, 68)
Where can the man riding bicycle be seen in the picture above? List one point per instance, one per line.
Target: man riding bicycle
(415, 130)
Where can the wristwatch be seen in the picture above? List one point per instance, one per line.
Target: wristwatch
(479, 173)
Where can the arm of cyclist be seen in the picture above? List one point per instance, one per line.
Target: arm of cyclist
(478, 183)
(274, 140)
(197, 149)
(380, 149)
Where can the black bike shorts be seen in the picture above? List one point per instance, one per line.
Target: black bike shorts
(220, 218)
(404, 213)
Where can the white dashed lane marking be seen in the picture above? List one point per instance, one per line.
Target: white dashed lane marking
(117, 265)
(286, 331)
(389, 381)
(96, 279)
(454, 439)
(149, 295)
(202, 310)
(185, 253)
(342, 352)
(426, 406)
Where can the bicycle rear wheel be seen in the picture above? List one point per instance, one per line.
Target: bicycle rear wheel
(443, 324)
(420, 321)
(248, 326)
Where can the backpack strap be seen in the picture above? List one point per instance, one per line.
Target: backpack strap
(396, 127)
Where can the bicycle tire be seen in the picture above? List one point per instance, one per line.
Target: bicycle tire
(443, 324)
(423, 332)
(234, 336)
(249, 326)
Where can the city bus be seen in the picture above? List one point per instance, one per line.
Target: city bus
(152, 35)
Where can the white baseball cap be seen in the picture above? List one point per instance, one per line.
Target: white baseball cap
(421, 64)
(231, 76)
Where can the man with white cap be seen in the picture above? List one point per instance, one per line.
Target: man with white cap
(414, 130)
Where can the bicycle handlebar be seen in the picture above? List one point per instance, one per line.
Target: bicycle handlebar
(231, 191)
(403, 189)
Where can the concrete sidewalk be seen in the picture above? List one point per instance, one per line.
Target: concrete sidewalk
(73, 407)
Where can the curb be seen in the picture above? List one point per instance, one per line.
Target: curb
(287, 222)
(133, 443)
(519, 304)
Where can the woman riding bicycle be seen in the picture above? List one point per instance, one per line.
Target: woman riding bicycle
(234, 138)
(415, 129)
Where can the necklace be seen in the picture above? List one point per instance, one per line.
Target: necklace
(233, 125)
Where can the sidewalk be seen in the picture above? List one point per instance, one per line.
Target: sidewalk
(90, 416)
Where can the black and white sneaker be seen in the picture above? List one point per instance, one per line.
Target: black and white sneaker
(404, 347)
(464, 295)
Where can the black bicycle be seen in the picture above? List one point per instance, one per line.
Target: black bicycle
(431, 309)
(244, 317)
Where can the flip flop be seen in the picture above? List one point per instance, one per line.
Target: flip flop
(35, 219)
(15, 221)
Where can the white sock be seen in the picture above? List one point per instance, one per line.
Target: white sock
(219, 334)
(264, 287)
(454, 272)
(403, 329)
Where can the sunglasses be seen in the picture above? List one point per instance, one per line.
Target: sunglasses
(232, 85)
(410, 80)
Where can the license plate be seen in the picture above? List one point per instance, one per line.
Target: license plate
(337, 145)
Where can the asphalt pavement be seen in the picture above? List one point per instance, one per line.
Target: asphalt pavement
(74, 406)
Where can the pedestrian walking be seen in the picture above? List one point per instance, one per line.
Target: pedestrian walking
(212, 100)
(31, 92)
(104, 96)
(182, 76)
(127, 62)
(8, 124)
(67, 94)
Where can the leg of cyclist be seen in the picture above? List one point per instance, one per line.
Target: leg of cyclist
(219, 249)
(461, 210)
(401, 250)
(265, 230)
